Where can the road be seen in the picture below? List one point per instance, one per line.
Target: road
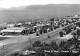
(20, 42)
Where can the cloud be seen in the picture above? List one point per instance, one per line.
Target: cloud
(16, 3)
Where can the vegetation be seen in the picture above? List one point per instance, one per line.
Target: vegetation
(37, 44)
(39, 48)
(69, 45)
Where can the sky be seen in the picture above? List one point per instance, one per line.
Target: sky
(16, 3)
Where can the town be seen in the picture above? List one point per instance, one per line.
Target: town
(51, 37)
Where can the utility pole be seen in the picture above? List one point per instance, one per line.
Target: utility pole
(30, 41)
(18, 39)
(3, 50)
(21, 40)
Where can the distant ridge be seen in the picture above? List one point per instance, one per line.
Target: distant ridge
(38, 12)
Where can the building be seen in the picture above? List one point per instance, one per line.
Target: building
(17, 30)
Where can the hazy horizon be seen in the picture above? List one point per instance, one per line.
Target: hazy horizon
(23, 7)
(38, 12)
(16, 3)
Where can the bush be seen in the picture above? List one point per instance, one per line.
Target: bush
(37, 44)
(61, 43)
(54, 45)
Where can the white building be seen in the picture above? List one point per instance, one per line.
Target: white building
(10, 25)
(17, 30)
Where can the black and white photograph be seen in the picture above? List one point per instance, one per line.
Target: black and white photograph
(39, 27)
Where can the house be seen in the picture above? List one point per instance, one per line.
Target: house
(10, 25)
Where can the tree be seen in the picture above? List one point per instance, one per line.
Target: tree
(54, 45)
(61, 43)
(37, 44)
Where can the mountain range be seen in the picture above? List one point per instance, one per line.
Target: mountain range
(24, 13)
